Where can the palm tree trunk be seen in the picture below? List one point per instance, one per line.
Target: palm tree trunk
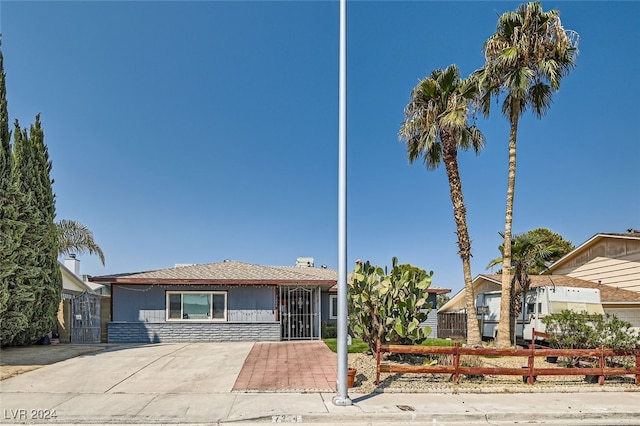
(450, 158)
(504, 339)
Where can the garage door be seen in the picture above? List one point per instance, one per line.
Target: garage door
(631, 315)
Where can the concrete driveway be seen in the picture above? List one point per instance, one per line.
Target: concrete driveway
(158, 368)
(158, 383)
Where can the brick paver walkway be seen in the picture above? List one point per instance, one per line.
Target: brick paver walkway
(288, 366)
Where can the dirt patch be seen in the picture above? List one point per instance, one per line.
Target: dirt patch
(18, 360)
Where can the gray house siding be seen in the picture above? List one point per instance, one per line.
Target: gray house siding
(324, 307)
(432, 318)
(139, 315)
(139, 332)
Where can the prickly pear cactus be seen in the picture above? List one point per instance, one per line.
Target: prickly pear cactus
(389, 307)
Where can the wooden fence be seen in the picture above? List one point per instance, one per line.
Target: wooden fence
(529, 371)
(452, 325)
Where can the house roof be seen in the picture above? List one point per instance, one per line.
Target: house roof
(633, 235)
(68, 276)
(232, 272)
(228, 272)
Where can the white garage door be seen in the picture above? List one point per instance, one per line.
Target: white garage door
(631, 315)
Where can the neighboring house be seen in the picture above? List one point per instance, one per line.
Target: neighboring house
(624, 304)
(84, 310)
(609, 259)
(72, 283)
(225, 301)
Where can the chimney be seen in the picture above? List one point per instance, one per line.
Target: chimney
(72, 264)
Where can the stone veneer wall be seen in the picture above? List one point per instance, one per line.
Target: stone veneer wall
(144, 332)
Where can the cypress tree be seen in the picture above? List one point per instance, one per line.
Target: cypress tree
(35, 291)
(5, 175)
(48, 287)
(8, 233)
(30, 280)
(5, 135)
(15, 256)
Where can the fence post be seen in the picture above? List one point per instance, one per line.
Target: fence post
(637, 368)
(533, 335)
(456, 362)
(602, 365)
(530, 363)
(378, 362)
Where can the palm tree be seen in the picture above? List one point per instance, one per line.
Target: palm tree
(436, 124)
(531, 253)
(525, 59)
(76, 238)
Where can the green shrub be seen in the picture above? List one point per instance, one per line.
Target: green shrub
(329, 329)
(580, 330)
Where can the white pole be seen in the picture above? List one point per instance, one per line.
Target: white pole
(342, 398)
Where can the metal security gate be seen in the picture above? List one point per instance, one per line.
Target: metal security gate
(85, 318)
(299, 310)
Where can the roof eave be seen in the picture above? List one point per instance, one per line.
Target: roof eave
(182, 281)
(584, 245)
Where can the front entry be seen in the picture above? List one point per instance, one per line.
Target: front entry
(299, 308)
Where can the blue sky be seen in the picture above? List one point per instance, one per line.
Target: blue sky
(192, 132)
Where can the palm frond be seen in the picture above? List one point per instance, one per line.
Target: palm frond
(540, 97)
(440, 103)
(76, 238)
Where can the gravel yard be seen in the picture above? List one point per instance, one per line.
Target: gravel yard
(390, 382)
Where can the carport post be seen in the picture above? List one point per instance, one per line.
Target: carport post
(342, 399)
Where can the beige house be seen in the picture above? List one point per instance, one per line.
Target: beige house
(608, 262)
(609, 259)
(75, 286)
(614, 300)
(624, 304)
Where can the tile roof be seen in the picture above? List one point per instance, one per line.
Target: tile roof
(234, 272)
(607, 293)
(229, 271)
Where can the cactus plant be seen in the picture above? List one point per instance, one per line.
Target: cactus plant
(390, 307)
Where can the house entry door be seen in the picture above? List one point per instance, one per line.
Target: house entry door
(85, 319)
(299, 313)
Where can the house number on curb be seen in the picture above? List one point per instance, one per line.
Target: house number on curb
(287, 418)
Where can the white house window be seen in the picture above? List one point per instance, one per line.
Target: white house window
(197, 306)
(333, 306)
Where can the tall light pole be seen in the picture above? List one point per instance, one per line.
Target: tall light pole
(342, 398)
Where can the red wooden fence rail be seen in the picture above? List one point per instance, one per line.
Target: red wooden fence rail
(457, 351)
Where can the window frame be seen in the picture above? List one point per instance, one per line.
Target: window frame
(210, 293)
(333, 315)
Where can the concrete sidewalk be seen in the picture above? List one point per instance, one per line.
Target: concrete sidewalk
(192, 383)
(317, 408)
